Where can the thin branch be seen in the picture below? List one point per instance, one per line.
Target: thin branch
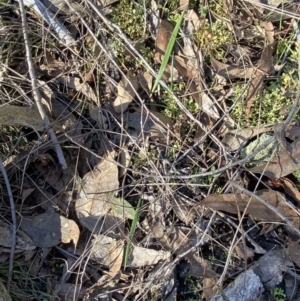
(36, 92)
(14, 226)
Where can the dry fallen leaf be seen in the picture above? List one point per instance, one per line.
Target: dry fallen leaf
(126, 93)
(21, 116)
(154, 123)
(232, 71)
(174, 240)
(139, 256)
(96, 207)
(163, 36)
(235, 138)
(116, 253)
(208, 106)
(23, 242)
(75, 83)
(234, 202)
(52, 174)
(48, 230)
(293, 250)
(264, 66)
(146, 81)
(209, 289)
(282, 165)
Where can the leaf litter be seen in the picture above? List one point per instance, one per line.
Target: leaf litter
(178, 150)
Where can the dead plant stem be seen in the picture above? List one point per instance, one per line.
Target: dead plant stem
(35, 91)
(14, 226)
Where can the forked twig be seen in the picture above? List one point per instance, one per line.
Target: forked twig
(14, 226)
(36, 92)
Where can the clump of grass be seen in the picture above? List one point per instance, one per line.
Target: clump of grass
(23, 286)
(171, 109)
(271, 104)
(213, 37)
(131, 20)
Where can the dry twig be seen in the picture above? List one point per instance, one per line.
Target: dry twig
(35, 91)
(14, 226)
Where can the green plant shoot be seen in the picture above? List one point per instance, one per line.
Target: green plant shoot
(168, 52)
(131, 232)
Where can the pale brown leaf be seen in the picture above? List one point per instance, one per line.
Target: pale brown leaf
(163, 36)
(232, 71)
(96, 203)
(209, 287)
(139, 256)
(291, 190)
(21, 116)
(235, 202)
(209, 107)
(75, 83)
(146, 80)
(126, 92)
(116, 252)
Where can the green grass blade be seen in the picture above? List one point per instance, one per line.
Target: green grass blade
(131, 232)
(168, 52)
